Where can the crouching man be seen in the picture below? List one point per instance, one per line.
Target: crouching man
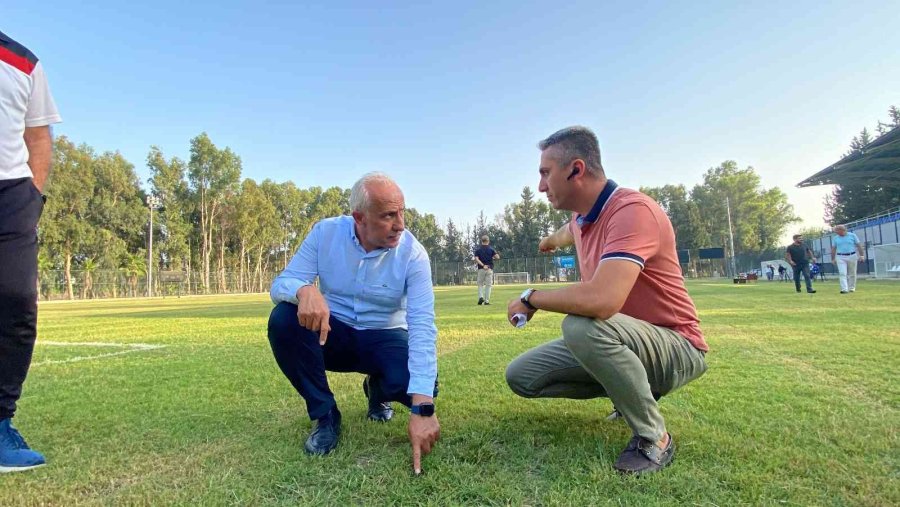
(631, 332)
(372, 313)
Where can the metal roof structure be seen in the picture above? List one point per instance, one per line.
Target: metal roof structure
(878, 163)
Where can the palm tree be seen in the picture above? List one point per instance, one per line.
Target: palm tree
(134, 265)
(89, 266)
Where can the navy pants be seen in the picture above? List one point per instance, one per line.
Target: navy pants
(380, 353)
(20, 209)
(802, 269)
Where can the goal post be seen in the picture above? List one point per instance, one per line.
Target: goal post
(514, 277)
(887, 260)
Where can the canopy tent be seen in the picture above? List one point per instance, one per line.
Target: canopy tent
(878, 163)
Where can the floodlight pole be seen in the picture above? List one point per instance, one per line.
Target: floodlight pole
(731, 237)
(152, 203)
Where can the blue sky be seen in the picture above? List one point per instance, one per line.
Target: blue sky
(451, 97)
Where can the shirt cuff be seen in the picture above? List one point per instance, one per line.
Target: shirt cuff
(421, 384)
(288, 290)
(637, 259)
(43, 121)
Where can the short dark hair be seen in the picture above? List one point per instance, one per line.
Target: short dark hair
(576, 142)
(797, 236)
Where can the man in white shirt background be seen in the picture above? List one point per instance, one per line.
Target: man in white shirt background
(26, 151)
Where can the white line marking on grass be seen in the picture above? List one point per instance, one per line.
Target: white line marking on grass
(132, 347)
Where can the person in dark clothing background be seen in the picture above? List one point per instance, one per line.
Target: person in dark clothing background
(799, 256)
(484, 257)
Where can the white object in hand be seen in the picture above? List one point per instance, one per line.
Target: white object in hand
(519, 319)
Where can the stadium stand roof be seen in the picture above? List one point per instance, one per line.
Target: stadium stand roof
(877, 163)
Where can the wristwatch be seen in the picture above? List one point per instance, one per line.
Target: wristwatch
(423, 409)
(524, 298)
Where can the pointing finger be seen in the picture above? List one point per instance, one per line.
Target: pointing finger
(323, 334)
(417, 458)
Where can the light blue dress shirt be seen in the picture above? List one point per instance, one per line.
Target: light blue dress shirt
(382, 289)
(845, 244)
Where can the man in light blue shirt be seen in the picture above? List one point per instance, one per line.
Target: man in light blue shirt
(846, 250)
(373, 313)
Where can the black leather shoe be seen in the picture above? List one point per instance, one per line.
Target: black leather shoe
(325, 437)
(644, 457)
(378, 411)
(480, 301)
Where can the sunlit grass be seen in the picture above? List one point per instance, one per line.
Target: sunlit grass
(800, 406)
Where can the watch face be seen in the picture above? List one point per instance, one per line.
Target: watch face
(425, 410)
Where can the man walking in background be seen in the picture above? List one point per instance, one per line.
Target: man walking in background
(26, 151)
(799, 256)
(484, 258)
(846, 250)
(631, 331)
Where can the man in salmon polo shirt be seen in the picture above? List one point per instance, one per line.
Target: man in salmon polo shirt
(631, 331)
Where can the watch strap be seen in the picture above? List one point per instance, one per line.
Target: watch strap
(424, 409)
(525, 296)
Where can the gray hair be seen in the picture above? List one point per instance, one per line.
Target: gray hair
(576, 142)
(359, 194)
(839, 227)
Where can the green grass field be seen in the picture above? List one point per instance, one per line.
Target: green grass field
(800, 406)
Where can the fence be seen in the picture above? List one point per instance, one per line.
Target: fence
(119, 284)
(52, 284)
(539, 269)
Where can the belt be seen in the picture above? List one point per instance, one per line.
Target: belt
(851, 253)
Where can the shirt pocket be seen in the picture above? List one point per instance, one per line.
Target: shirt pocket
(385, 296)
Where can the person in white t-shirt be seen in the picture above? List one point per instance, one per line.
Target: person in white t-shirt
(26, 151)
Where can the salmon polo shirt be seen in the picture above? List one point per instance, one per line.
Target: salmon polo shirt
(626, 224)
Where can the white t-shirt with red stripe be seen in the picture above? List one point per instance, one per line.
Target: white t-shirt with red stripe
(25, 101)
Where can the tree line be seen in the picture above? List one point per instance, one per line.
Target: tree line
(211, 223)
(700, 216)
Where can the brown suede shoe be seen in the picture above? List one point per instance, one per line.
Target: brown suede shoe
(644, 457)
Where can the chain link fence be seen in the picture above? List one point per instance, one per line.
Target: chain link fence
(539, 270)
(53, 285)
